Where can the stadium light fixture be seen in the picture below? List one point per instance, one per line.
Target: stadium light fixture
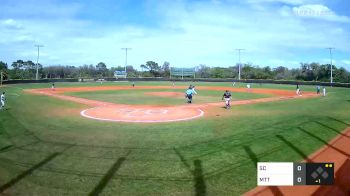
(239, 62)
(331, 57)
(126, 56)
(37, 62)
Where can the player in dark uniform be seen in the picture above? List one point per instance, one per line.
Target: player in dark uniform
(318, 89)
(227, 97)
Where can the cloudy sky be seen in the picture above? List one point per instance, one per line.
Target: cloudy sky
(184, 33)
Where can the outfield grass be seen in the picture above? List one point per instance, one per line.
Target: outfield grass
(47, 148)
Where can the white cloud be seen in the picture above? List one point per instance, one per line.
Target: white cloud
(11, 24)
(347, 62)
(293, 2)
(317, 11)
(290, 2)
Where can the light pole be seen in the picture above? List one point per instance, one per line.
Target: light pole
(126, 57)
(239, 62)
(331, 56)
(37, 62)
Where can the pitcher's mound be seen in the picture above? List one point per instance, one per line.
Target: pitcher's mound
(142, 114)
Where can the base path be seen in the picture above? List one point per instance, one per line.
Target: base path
(106, 111)
(337, 151)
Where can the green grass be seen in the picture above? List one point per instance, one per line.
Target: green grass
(47, 148)
(136, 97)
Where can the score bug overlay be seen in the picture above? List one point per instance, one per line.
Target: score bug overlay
(290, 174)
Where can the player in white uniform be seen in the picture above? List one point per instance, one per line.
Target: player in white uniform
(3, 98)
(194, 91)
(324, 91)
(298, 90)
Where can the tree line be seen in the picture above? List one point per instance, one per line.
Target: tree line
(306, 72)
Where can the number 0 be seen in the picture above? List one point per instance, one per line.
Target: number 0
(299, 168)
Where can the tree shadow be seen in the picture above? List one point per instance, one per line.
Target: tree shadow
(108, 176)
(274, 189)
(28, 172)
(198, 176)
(324, 142)
(296, 149)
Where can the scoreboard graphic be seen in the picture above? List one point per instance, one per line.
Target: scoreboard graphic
(290, 174)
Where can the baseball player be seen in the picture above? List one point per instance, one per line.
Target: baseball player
(227, 97)
(194, 91)
(324, 91)
(3, 98)
(189, 94)
(318, 88)
(298, 90)
(53, 86)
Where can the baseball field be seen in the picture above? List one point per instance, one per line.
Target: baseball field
(114, 139)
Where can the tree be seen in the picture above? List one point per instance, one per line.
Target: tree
(247, 72)
(3, 69)
(152, 67)
(203, 71)
(3, 66)
(101, 69)
(166, 69)
(280, 73)
(341, 75)
(19, 64)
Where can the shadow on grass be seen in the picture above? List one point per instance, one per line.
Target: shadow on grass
(19, 126)
(251, 155)
(5, 148)
(198, 176)
(296, 149)
(28, 172)
(332, 129)
(340, 121)
(274, 189)
(324, 142)
(109, 175)
(199, 181)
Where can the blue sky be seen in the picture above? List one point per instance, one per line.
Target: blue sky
(184, 33)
